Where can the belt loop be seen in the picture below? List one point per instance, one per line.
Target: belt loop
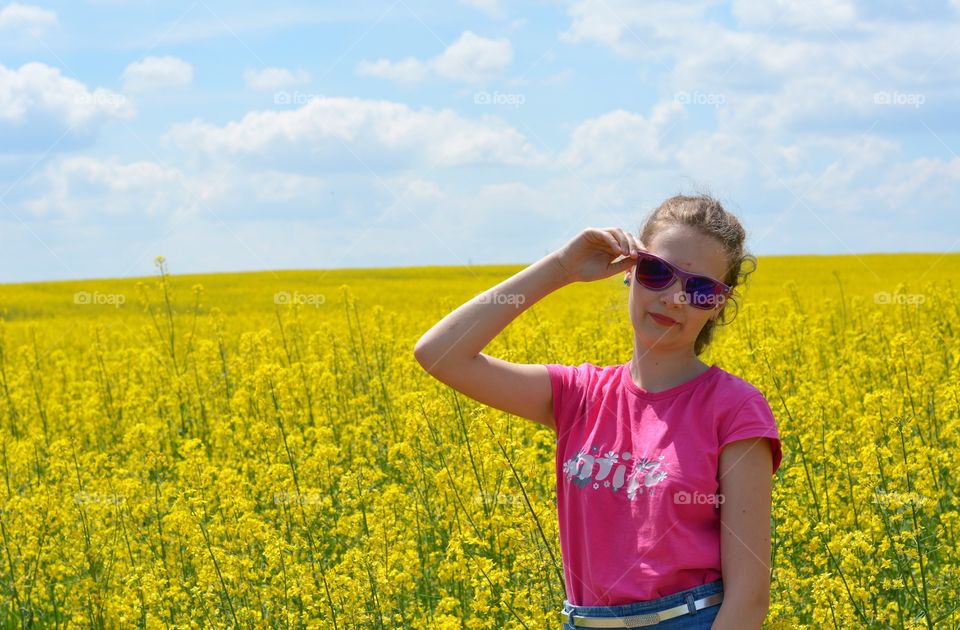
(570, 615)
(690, 606)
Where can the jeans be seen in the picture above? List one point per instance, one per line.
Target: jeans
(701, 619)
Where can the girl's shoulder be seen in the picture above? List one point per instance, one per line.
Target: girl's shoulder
(733, 388)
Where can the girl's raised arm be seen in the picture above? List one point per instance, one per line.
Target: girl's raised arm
(451, 350)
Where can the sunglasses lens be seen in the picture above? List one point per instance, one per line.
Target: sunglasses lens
(704, 293)
(653, 273)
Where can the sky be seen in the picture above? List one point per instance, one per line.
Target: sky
(237, 136)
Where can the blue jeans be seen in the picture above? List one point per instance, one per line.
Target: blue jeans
(701, 619)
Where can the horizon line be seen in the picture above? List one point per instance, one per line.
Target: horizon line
(410, 267)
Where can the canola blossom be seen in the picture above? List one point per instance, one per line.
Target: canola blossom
(263, 450)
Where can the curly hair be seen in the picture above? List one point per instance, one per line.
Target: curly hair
(706, 214)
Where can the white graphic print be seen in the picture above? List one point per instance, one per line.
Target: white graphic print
(583, 468)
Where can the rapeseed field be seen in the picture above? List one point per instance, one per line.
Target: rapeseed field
(263, 450)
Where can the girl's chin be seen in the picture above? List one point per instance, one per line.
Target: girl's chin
(654, 341)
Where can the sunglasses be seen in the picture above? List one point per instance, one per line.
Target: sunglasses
(701, 292)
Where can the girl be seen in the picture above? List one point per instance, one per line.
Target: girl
(662, 462)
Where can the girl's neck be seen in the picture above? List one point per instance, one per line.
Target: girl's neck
(655, 372)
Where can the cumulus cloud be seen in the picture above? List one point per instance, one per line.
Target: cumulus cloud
(784, 68)
(809, 15)
(155, 73)
(83, 187)
(921, 185)
(90, 188)
(39, 106)
(408, 70)
(619, 140)
(490, 7)
(16, 19)
(474, 58)
(637, 29)
(471, 59)
(274, 78)
(358, 134)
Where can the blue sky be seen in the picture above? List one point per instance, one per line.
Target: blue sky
(236, 136)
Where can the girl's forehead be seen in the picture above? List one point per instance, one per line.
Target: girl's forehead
(690, 250)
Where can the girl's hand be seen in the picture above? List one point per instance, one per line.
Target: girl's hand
(595, 253)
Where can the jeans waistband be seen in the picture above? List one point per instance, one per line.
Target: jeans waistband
(653, 605)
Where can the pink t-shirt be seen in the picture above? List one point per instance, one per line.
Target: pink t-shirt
(637, 478)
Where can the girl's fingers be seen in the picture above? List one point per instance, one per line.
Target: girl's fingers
(622, 239)
(610, 241)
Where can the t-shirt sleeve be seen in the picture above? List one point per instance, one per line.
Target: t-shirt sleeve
(567, 385)
(754, 418)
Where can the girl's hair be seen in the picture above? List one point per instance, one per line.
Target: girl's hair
(705, 213)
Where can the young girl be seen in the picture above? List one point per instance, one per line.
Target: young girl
(663, 463)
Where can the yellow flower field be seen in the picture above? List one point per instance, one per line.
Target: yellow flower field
(264, 450)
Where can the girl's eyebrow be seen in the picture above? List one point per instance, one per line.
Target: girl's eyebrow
(686, 264)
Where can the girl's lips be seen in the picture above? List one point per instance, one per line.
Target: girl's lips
(662, 319)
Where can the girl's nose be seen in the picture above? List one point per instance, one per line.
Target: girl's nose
(673, 294)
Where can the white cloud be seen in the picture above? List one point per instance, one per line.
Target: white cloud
(921, 185)
(409, 70)
(274, 78)
(807, 15)
(490, 7)
(865, 175)
(21, 18)
(619, 140)
(39, 106)
(421, 189)
(838, 173)
(359, 134)
(85, 187)
(154, 73)
(260, 21)
(636, 29)
(276, 186)
(471, 59)
(716, 156)
(801, 78)
(88, 189)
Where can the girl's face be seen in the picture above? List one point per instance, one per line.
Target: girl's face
(692, 251)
